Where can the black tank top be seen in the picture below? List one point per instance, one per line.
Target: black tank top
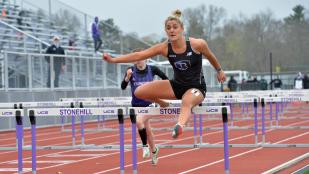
(187, 66)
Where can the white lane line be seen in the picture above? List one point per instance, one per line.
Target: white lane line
(287, 164)
(302, 170)
(14, 169)
(74, 155)
(143, 161)
(117, 168)
(241, 154)
(45, 161)
(129, 139)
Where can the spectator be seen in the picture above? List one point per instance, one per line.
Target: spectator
(277, 83)
(96, 35)
(72, 42)
(298, 81)
(263, 83)
(19, 19)
(232, 84)
(243, 84)
(59, 62)
(4, 12)
(252, 84)
(255, 80)
(306, 82)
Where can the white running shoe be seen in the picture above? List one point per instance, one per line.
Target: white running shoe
(154, 158)
(146, 152)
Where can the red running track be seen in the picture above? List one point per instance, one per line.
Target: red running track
(198, 161)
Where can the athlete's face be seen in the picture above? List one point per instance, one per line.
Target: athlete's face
(140, 64)
(173, 30)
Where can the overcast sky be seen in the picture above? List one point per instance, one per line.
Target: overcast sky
(146, 17)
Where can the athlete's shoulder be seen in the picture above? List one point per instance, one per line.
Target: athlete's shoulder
(197, 43)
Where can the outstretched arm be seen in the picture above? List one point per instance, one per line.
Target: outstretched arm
(136, 56)
(203, 47)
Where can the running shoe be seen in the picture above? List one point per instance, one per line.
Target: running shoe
(177, 131)
(146, 152)
(154, 158)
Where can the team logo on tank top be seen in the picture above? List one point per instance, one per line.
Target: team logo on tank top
(182, 64)
(189, 54)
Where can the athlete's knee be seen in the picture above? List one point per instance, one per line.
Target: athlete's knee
(139, 93)
(140, 122)
(186, 103)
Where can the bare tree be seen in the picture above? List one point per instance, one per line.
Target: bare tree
(66, 19)
(202, 21)
(297, 38)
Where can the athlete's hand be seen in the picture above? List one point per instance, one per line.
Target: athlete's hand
(129, 74)
(107, 58)
(221, 76)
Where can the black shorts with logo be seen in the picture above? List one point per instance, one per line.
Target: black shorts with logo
(180, 89)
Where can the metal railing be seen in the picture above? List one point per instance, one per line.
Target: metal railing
(29, 71)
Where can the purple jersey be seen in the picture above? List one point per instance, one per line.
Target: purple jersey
(137, 80)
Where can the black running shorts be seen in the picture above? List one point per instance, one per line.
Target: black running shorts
(180, 89)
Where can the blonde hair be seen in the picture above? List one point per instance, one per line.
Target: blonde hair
(176, 16)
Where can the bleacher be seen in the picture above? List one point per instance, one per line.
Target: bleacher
(41, 28)
(29, 31)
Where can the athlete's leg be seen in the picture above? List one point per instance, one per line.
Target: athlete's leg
(141, 129)
(191, 98)
(155, 91)
(143, 133)
(143, 123)
(150, 137)
(154, 149)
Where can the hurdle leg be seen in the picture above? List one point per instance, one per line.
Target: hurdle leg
(247, 108)
(73, 130)
(282, 108)
(263, 120)
(62, 123)
(232, 115)
(201, 128)
(103, 121)
(98, 117)
(194, 128)
(277, 114)
(82, 130)
(226, 142)
(121, 139)
(271, 113)
(33, 140)
(19, 134)
(134, 147)
(242, 109)
(255, 121)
